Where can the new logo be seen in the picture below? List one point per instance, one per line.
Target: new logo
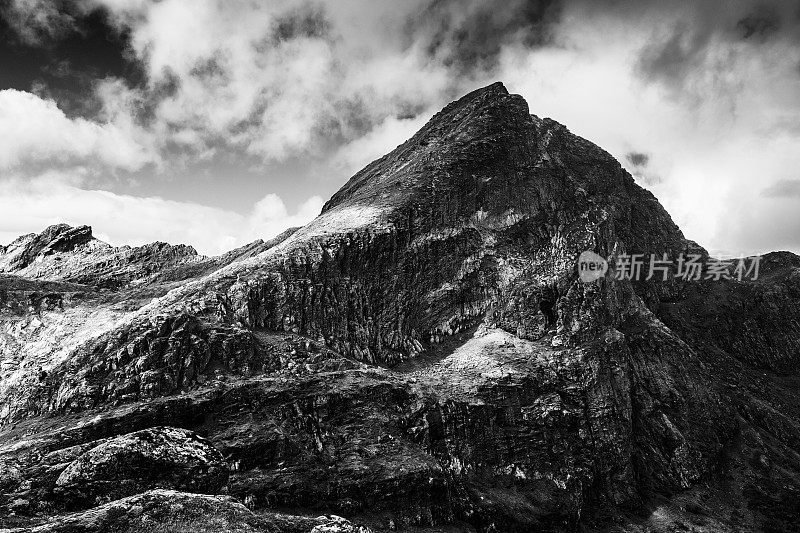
(591, 266)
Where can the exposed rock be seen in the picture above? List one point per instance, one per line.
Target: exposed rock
(160, 457)
(57, 238)
(63, 253)
(10, 477)
(424, 354)
(179, 512)
(337, 524)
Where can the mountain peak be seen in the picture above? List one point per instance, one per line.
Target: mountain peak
(485, 115)
(55, 238)
(493, 90)
(484, 156)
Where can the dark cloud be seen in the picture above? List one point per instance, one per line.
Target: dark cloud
(689, 49)
(640, 170)
(761, 24)
(637, 159)
(38, 22)
(670, 61)
(307, 20)
(209, 68)
(470, 35)
(351, 120)
(166, 86)
(783, 189)
(64, 61)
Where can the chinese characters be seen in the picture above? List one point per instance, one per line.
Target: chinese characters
(689, 267)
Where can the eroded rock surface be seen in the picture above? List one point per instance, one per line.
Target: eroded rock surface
(160, 457)
(423, 354)
(180, 512)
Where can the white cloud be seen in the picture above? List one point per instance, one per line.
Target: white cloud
(34, 131)
(275, 79)
(32, 205)
(270, 216)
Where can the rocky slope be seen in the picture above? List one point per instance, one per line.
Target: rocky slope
(421, 357)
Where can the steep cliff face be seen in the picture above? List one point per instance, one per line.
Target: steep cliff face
(422, 354)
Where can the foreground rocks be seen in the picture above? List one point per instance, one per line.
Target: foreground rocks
(422, 355)
(180, 512)
(129, 464)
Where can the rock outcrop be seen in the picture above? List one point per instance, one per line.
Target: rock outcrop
(126, 465)
(70, 254)
(421, 355)
(181, 512)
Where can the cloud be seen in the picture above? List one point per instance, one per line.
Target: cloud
(672, 60)
(270, 80)
(637, 159)
(288, 79)
(640, 168)
(696, 46)
(471, 35)
(783, 189)
(32, 205)
(270, 215)
(38, 22)
(760, 224)
(277, 80)
(761, 24)
(34, 131)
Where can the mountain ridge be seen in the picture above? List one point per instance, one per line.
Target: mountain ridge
(421, 354)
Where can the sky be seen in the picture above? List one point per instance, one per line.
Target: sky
(218, 122)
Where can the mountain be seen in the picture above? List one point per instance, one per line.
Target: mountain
(423, 356)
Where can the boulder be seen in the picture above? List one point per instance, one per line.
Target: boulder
(10, 477)
(159, 457)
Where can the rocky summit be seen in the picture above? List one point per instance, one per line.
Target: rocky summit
(423, 356)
